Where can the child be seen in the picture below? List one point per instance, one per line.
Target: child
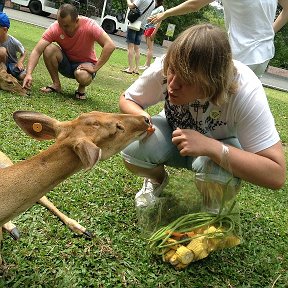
(150, 33)
(9, 47)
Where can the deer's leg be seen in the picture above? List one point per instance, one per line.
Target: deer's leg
(71, 223)
(12, 230)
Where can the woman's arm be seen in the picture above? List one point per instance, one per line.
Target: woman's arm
(181, 9)
(129, 107)
(282, 18)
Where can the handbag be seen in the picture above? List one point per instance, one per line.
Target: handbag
(136, 25)
(135, 13)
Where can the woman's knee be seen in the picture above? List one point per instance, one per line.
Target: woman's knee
(143, 153)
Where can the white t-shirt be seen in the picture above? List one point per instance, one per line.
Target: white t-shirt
(249, 24)
(246, 116)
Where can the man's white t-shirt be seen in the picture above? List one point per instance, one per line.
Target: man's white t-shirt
(246, 115)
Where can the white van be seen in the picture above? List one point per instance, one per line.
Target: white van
(100, 10)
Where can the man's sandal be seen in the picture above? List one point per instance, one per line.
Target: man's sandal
(80, 96)
(49, 89)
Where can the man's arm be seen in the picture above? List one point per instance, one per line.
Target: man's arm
(181, 9)
(33, 61)
(108, 47)
(282, 18)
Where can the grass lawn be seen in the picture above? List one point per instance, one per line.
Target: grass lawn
(49, 255)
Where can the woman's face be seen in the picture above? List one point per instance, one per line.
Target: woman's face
(179, 92)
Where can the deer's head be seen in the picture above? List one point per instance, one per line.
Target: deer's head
(93, 136)
(10, 83)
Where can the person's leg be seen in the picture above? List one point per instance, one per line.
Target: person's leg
(149, 56)
(84, 79)
(131, 54)
(15, 71)
(130, 39)
(137, 43)
(3, 55)
(259, 69)
(137, 59)
(52, 57)
(142, 159)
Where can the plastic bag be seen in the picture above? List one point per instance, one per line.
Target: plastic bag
(133, 14)
(194, 217)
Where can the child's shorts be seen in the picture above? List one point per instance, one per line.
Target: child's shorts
(148, 32)
(14, 70)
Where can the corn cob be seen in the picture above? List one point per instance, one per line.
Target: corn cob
(184, 255)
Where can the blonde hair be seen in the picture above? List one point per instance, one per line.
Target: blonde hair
(202, 55)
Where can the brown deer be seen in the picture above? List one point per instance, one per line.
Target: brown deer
(80, 144)
(10, 83)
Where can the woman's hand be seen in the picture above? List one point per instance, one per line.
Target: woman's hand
(191, 143)
(156, 18)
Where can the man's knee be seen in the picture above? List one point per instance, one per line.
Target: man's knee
(83, 77)
(52, 51)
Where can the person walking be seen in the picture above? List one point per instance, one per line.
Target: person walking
(74, 56)
(150, 34)
(250, 24)
(133, 37)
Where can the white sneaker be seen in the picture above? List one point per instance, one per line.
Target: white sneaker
(150, 192)
(143, 67)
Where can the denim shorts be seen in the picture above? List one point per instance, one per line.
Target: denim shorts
(14, 70)
(133, 36)
(67, 67)
(158, 149)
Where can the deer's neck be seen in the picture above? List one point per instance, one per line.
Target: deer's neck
(26, 182)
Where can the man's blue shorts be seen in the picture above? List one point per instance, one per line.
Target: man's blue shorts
(67, 67)
(134, 37)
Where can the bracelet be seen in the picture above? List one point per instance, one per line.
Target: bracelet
(225, 150)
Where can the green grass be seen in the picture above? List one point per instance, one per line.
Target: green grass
(49, 255)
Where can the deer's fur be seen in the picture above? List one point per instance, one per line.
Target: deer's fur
(10, 83)
(80, 144)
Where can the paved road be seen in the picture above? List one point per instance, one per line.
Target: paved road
(268, 79)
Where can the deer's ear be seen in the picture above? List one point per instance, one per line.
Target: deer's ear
(36, 125)
(88, 153)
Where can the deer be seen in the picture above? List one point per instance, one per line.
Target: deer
(79, 144)
(10, 83)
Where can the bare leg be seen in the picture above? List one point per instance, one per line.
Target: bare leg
(3, 55)
(52, 57)
(149, 56)
(137, 58)
(84, 79)
(156, 175)
(131, 53)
